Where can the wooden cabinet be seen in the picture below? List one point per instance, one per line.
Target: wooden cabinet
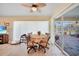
(4, 38)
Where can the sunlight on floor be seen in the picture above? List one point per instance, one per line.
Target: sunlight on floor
(21, 50)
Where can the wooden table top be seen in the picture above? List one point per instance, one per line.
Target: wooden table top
(37, 38)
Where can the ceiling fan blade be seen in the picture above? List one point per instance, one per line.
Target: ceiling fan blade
(41, 4)
(27, 5)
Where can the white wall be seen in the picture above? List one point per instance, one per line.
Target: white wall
(22, 27)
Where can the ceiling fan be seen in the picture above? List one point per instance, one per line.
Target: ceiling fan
(34, 6)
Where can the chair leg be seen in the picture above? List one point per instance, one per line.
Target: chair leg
(27, 47)
(47, 47)
(34, 49)
(43, 48)
(39, 47)
(29, 50)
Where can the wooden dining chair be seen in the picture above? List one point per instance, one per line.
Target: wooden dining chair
(43, 44)
(23, 38)
(31, 46)
(28, 39)
(48, 37)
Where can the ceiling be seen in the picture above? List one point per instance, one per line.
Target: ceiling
(16, 9)
(73, 13)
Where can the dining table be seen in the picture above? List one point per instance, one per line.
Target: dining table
(37, 40)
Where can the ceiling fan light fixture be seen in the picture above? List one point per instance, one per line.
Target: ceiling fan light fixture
(34, 9)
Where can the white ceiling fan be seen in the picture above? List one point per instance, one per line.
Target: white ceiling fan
(34, 6)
